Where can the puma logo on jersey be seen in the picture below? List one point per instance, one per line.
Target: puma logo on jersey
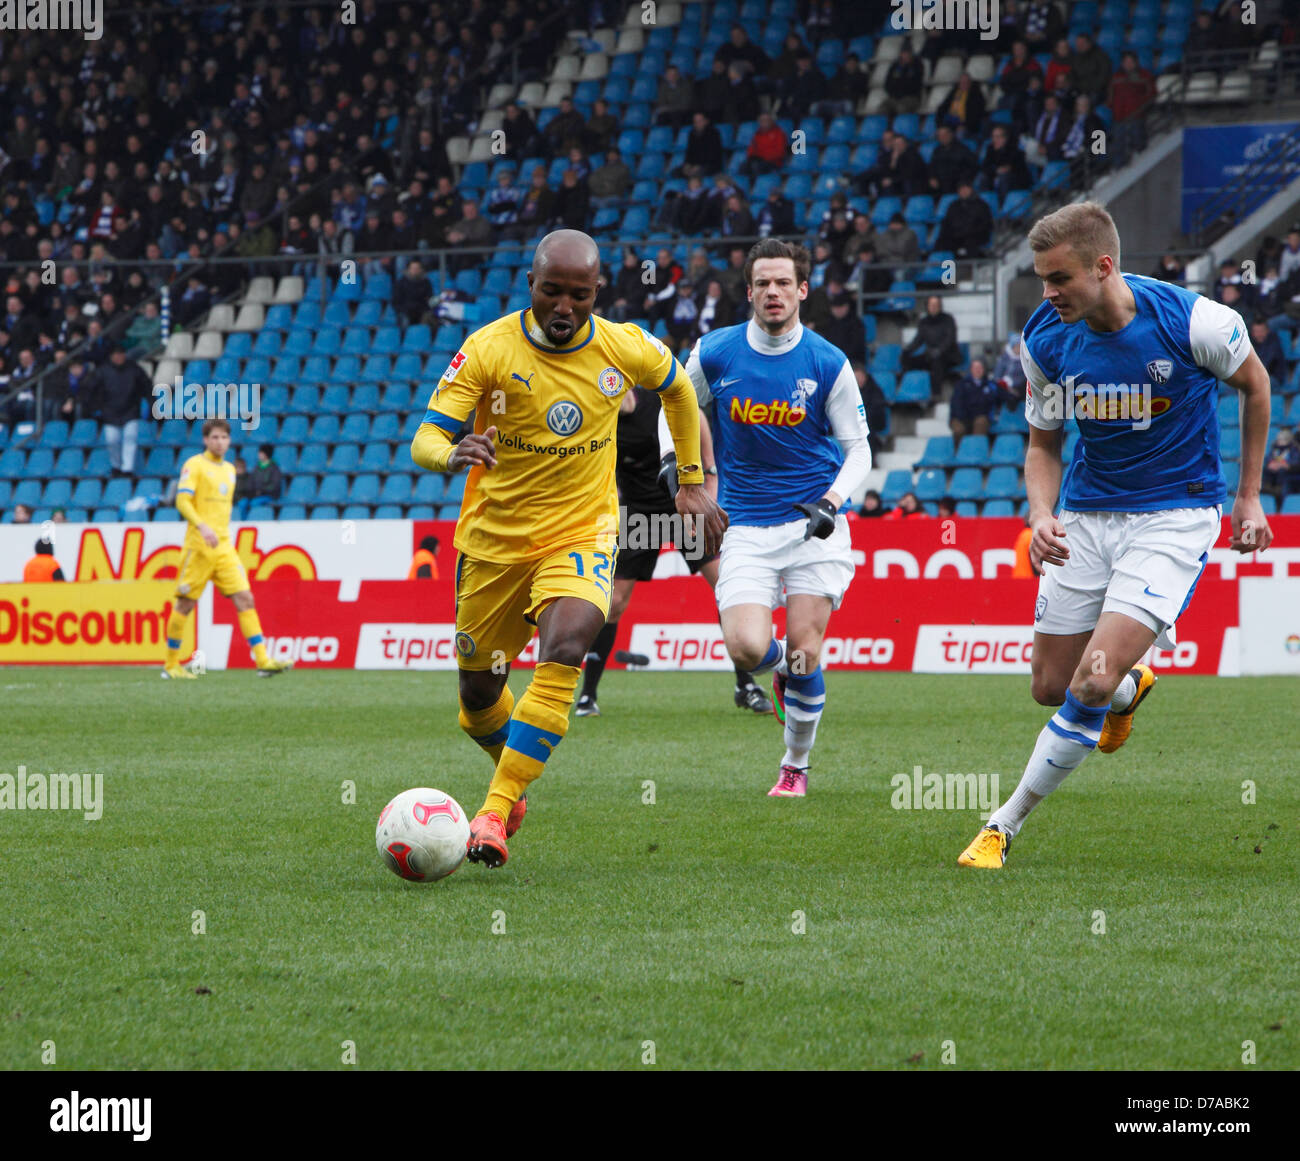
(526, 382)
(778, 414)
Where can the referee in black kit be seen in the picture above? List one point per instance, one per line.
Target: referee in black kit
(647, 512)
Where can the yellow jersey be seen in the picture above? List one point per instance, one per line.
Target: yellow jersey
(210, 485)
(555, 409)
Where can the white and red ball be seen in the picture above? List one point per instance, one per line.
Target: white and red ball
(421, 835)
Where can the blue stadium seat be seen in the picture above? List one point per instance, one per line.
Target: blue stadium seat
(12, 463)
(312, 458)
(325, 512)
(347, 369)
(1007, 449)
(1017, 205)
(305, 400)
(1230, 443)
(388, 426)
(161, 461)
(999, 508)
(1229, 408)
(240, 345)
(293, 429)
(375, 457)
(1003, 483)
(333, 400)
(356, 341)
(336, 314)
(397, 396)
(914, 387)
(327, 341)
(84, 433)
(396, 489)
(104, 516)
(939, 452)
(278, 318)
(333, 489)
(55, 434)
(378, 287)
(302, 490)
(930, 485)
(40, 463)
(97, 462)
(919, 210)
(428, 488)
(369, 312)
(365, 489)
(117, 492)
(966, 484)
(87, 493)
(67, 463)
(455, 489)
(365, 396)
(356, 512)
(285, 371)
(407, 366)
(898, 481)
(294, 511)
(356, 428)
(973, 452)
(346, 457)
(298, 343)
(417, 338)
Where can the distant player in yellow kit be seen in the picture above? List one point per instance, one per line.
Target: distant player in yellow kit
(538, 528)
(204, 497)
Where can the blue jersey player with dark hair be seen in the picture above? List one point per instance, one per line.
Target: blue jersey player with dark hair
(1137, 363)
(790, 442)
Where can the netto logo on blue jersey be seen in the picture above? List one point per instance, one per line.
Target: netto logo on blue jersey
(564, 418)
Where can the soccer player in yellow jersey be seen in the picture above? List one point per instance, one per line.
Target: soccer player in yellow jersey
(538, 528)
(204, 497)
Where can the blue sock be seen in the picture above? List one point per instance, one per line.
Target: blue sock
(771, 659)
(805, 697)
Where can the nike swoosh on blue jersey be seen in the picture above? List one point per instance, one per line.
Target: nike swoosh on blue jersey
(1159, 596)
(729, 382)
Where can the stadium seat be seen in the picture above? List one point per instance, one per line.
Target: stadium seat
(417, 339)
(117, 492)
(375, 457)
(887, 357)
(67, 463)
(1007, 449)
(84, 433)
(55, 434)
(429, 488)
(966, 484)
(396, 489)
(365, 489)
(325, 512)
(914, 388)
(87, 493)
(356, 428)
(1003, 483)
(346, 457)
(930, 485)
(999, 508)
(387, 426)
(333, 400)
(939, 451)
(365, 396)
(293, 429)
(973, 452)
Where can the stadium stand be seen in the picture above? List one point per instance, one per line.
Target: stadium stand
(383, 144)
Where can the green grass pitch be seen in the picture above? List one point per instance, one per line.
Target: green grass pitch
(627, 922)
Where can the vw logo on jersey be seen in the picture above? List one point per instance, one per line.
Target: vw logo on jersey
(223, 488)
(1160, 370)
(802, 389)
(564, 418)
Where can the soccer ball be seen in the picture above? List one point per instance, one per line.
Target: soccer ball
(421, 834)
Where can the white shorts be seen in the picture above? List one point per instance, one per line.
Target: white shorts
(1142, 564)
(764, 566)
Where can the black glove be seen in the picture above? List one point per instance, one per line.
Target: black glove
(668, 473)
(821, 518)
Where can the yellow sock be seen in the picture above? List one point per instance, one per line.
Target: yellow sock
(538, 724)
(251, 628)
(487, 727)
(175, 632)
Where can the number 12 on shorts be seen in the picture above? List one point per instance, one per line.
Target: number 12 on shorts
(599, 571)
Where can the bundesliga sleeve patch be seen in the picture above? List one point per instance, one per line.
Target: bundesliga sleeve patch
(457, 361)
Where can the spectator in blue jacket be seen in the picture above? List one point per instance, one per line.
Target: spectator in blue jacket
(975, 400)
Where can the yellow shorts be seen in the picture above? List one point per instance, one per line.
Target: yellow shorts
(497, 605)
(221, 565)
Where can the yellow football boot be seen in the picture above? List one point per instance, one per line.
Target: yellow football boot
(178, 673)
(1116, 730)
(989, 849)
(272, 667)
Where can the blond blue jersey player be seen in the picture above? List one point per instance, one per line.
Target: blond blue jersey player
(1137, 363)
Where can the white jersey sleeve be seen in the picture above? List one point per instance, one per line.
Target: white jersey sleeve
(848, 419)
(1217, 337)
(696, 372)
(1041, 409)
